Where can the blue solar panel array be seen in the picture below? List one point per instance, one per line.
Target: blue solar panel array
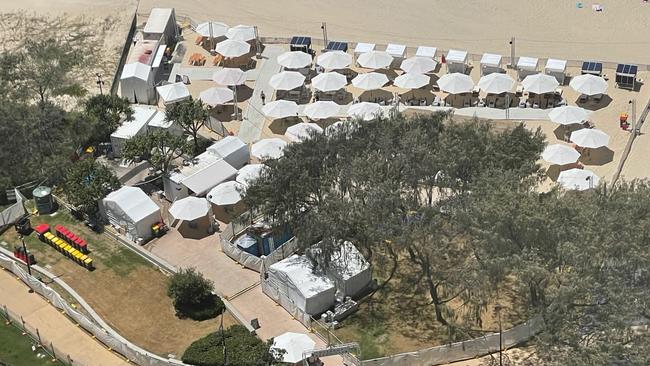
(591, 67)
(301, 41)
(627, 69)
(337, 46)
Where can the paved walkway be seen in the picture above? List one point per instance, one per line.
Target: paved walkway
(253, 119)
(54, 326)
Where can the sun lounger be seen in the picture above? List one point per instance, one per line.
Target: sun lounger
(598, 97)
(535, 106)
(492, 103)
(520, 89)
(583, 98)
(481, 102)
(436, 101)
(559, 91)
(466, 103)
(561, 102)
(522, 103)
(550, 104)
(186, 80)
(423, 102)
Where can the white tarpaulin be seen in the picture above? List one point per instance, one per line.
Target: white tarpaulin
(226, 193)
(560, 154)
(302, 131)
(294, 344)
(578, 179)
(171, 93)
(190, 208)
(231, 149)
(271, 148)
(131, 210)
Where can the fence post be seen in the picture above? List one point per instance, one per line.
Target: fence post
(38, 334)
(23, 323)
(69, 360)
(53, 353)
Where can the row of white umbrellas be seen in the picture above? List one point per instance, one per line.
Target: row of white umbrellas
(320, 110)
(242, 33)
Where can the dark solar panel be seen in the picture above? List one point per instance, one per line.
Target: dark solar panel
(592, 66)
(300, 41)
(626, 69)
(337, 46)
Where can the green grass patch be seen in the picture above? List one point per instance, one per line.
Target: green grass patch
(16, 349)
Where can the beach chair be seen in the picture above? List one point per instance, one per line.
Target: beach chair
(559, 92)
(466, 103)
(522, 103)
(492, 103)
(583, 98)
(561, 103)
(423, 102)
(520, 90)
(598, 98)
(481, 102)
(550, 103)
(535, 105)
(436, 101)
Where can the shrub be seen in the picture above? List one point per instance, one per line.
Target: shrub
(192, 295)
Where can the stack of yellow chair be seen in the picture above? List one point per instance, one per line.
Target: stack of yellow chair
(68, 250)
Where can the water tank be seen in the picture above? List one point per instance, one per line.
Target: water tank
(43, 200)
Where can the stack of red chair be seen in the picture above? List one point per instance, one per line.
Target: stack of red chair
(41, 229)
(75, 241)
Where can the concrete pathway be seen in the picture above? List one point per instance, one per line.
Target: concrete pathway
(253, 119)
(53, 326)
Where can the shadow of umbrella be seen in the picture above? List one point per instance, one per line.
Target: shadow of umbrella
(244, 92)
(553, 171)
(599, 156)
(372, 95)
(196, 229)
(224, 112)
(591, 105)
(563, 132)
(280, 125)
(390, 74)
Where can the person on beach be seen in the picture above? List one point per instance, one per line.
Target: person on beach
(263, 97)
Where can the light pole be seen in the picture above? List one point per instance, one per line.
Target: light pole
(497, 309)
(100, 83)
(223, 342)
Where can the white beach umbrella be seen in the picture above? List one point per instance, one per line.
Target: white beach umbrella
(334, 60)
(302, 131)
(375, 59)
(365, 111)
(568, 115)
(370, 80)
(280, 109)
(229, 76)
(496, 83)
(540, 83)
(232, 48)
(226, 193)
(216, 95)
(294, 345)
(212, 29)
(287, 80)
(590, 138)
(249, 173)
(589, 84)
(322, 109)
(272, 148)
(189, 208)
(329, 81)
(411, 81)
(242, 33)
(171, 93)
(418, 65)
(560, 154)
(578, 179)
(294, 59)
(456, 83)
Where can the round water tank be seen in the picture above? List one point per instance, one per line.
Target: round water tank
(43, 199)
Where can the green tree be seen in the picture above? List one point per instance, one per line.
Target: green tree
(192, 295)
(105, 114)
(190, 115)
(86, 183)
(160, 147)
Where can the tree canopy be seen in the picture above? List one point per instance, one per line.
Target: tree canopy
(192, 295)
(87, 182)
(160, 147)
(104, 114)
(191, 115)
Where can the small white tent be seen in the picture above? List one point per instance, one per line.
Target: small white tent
(131, 210)
(233, 150)
(161, 24)
(160, 122)
(295, 281)
(136, 83)
(141, 117)
(347, 267)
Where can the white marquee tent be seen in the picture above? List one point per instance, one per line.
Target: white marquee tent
(526, 66)
(456, 61)
(294, 345)
(490, 63)
(231, 149)
(136, 83)
(348, 268)
(557, 68)
(137, 126)
(172, 93)
(132, 211)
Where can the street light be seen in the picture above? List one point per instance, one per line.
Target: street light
(497, 309)
(100, 83)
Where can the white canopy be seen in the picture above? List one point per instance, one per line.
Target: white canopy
(375, 59)
(426, 51)
(540, 83)
(456, 83)
(589, 84)
(215, 96)
(229, 76)
(329, 81)
(287, 80)
(171, 93)
(226, 193)
(491, 59)
(396, 50)
(272, 148)
(364, 47)
(334, 60)
(302, 131)
(578, 179)
(212, 29)
(365, 111)
(418, 65)
(568, 115)
(590, 138)
(241, 33)
(527, 63)
(280, 109)
(190, 208)
(132, 210)
(249, 173)
(294, 59)
(232, 48)
(370, 80)
(555, 65)
(294, 344)
(232, 149)
(456, 56)
(411, 81)
(136, 70)
(348, 268)
(322, 109)
(496, 83)
(215, 171)
(560, 154)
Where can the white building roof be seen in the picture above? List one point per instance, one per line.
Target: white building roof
(159, 56)
(136, 70)
(141, 116)
(346, 261)
(208, 171)
(553, 64)
(491, 59)
(527, 63)
(227, 146)
(426, 51)
(457, 56)
(158, 20)
(133, 202)
(173, 92)
(299, 270)
(159, 120)
(364, 47)
(397, 50)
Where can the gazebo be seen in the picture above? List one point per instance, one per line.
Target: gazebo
(362, 48)
(456, 61)
(398, 51)
(426, 51)
(490, 63)
(526, 66)
(556, 68)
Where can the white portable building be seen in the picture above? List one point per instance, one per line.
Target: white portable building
(297, 285)
(141, 117)
(362, 47)
(398, 51)
(557, 68)
(206, 171)
(527, 66)
(233, 150)
(136, 83)
(159, 121)
(490, 63)
(131, 211)
(456, 61)
(161, 24)
(426, 51)
(347, 267)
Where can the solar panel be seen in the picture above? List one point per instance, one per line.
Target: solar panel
(592, 67)
(337, 46)
(626, 69)
(300, 41)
